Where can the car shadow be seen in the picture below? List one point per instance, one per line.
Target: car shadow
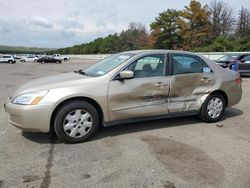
(231, 112)
(122, 129)
(42, 138)
(158, 124)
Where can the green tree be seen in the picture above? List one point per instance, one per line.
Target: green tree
(243, 44)
(220, 44)
(134, 38)
(165, 30)
(194, 25)
(110, 44)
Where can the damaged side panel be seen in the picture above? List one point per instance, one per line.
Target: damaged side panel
(188, 91)
(138, 97)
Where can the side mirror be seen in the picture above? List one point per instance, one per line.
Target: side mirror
(126, 75)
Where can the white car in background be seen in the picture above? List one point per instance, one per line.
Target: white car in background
(61, 57)
(7, 59)
(29, 58)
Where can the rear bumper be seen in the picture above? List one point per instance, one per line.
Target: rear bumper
(32, 118)
(234, 95)
(244, 72)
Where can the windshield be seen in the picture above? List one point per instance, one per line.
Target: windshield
(227, 57)
(106, 65)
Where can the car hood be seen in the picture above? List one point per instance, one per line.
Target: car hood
(51, 82)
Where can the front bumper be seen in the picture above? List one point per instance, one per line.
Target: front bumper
(32, 118)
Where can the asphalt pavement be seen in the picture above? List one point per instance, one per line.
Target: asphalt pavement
(176, 152)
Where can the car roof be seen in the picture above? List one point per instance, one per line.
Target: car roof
(244, 54)
(157, 51)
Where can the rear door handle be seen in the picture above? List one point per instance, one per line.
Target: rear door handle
(160, 84)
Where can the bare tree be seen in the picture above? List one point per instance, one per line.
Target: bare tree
(243, 23)
(222, 18)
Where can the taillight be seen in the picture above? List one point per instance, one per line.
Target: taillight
(238, 80)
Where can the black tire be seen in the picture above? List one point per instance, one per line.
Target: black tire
(65, 110)
(204, 115)
(10, 62)
(65, 59)
(43, 62)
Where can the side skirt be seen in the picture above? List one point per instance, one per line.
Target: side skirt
(149, 118)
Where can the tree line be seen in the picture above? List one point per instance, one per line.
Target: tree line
(212, 27)
(22, 50)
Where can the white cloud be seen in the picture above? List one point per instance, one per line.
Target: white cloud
(4, 27)
(60, 23)
(42, 22)
(72, 22)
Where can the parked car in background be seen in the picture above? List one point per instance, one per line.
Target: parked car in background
(126, 87)
(244, 66)
(61, 57)
(225, 60)
(7, 59)
(243, 59)
(48, 59)
(29, 58)
(16, 56)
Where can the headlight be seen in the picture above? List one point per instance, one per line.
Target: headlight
(29, 98)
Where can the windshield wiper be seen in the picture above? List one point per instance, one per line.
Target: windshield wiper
(81, 72)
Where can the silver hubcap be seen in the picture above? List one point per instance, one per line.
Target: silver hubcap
(215, 107)
(77, 123)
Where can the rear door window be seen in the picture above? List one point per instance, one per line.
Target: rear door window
(247, 59)
(188, 64)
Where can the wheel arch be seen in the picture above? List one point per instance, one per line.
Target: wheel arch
(221, 93)
(86, 99)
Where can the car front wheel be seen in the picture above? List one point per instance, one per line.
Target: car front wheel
(213, 108)
(76, 122)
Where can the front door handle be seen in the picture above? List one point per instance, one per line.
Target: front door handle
(206, 79)
(160, 84)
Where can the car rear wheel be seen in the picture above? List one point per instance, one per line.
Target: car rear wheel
(10, 62)
(57, 62)
(76, 122)
(213, 108)
(65, 59)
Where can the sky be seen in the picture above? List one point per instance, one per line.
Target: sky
(62, 23)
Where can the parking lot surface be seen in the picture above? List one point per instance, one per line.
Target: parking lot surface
(177, 152)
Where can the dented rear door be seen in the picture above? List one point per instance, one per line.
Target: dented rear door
(190, 81)
(144, 95)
